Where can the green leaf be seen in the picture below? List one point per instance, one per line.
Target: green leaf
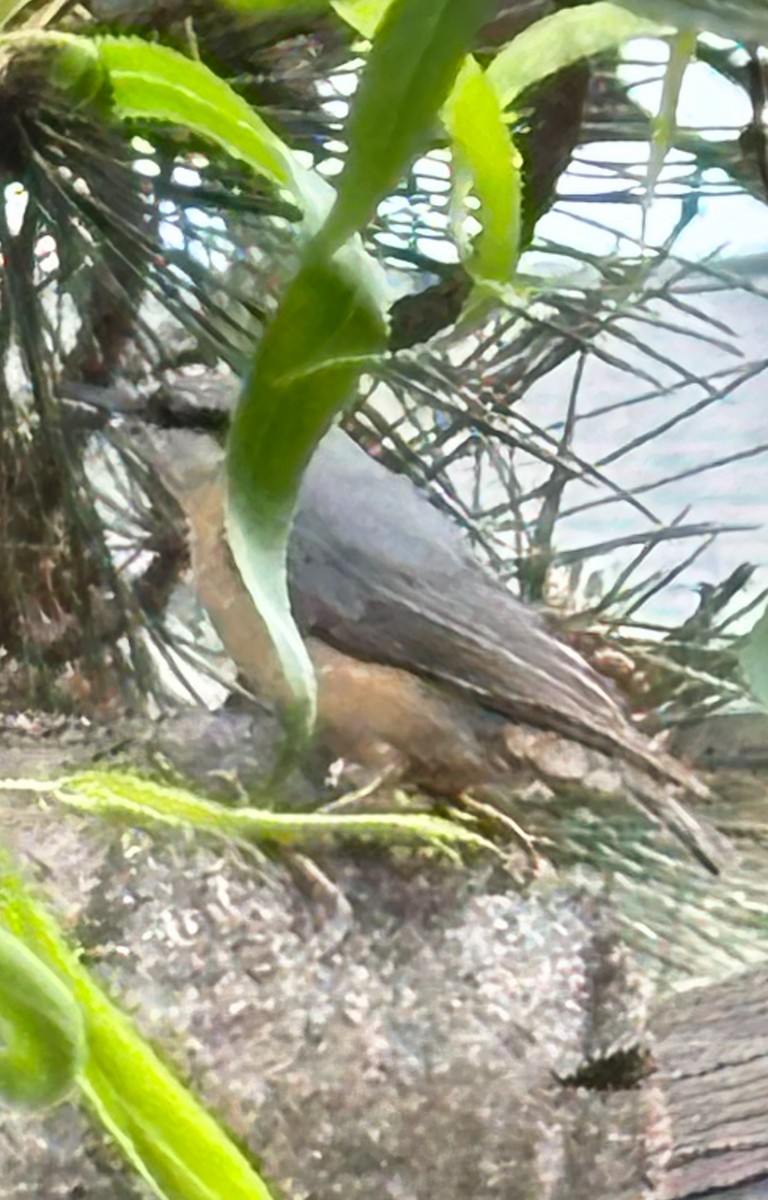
(146, 802)
(363, 15)
(485, 160)
(682, 53)
(77, 69)
(152, 82)
(753, 657)
(42, 1034)
(177, 1147)
(413, 62)
(331, 317)
(483, 148)
(558, 41)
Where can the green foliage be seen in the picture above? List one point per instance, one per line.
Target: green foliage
(414, 60)
(486, 161)
(42, 1035)
(485, 158)
(171, 1141)
(331, 318)
(559, 41)
(148, 802)
(333, 315)
(154, 83)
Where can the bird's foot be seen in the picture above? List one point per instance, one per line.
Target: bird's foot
(488, 812)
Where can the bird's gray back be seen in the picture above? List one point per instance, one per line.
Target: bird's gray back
(380, 572)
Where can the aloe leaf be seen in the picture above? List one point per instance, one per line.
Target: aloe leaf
(559, 40)
(331, 317)
(363, 15)
(304, 371)
(167, 1136)
(153, 82)
(485, 160)
(42, 1034)
(412, 65)
(483, 147)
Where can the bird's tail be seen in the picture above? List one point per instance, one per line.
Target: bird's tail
(651, 780)
(657, 799)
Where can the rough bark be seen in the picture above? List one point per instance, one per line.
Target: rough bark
(712, 1072)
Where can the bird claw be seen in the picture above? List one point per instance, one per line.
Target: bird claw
(490, 812)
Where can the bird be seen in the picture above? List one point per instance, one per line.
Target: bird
(429, 668)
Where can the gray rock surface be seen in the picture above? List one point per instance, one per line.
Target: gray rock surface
(418, 1043)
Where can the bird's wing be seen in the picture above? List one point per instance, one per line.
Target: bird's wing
(380, 572)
